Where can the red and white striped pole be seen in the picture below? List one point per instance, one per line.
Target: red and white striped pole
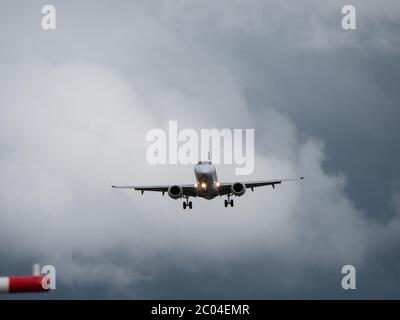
(23, 284)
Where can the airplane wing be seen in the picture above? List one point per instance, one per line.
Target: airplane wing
(225, 188)
(188, 189)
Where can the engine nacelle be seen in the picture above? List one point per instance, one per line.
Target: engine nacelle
(238, 189)
(175, 192)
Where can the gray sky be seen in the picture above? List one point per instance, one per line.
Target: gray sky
(76, 103)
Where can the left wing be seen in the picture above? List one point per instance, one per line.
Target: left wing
(188, 189)
(225, 188)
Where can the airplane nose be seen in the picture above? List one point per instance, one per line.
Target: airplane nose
(202, 170)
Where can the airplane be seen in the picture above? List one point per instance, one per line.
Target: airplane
(207, 186)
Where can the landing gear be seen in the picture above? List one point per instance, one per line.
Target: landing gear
(187, 203)
(228, 202)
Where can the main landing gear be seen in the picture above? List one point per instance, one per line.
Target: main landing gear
(229, 201)
(187, 203)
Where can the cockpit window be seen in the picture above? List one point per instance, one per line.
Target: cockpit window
(204, 162)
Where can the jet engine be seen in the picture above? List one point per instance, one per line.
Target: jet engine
(238, 189)
(175, 192)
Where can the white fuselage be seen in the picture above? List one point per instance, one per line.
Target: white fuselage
(206, 180)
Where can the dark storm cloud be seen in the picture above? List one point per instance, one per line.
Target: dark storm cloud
(76, 104)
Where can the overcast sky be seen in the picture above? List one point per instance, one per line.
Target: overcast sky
(75, 106)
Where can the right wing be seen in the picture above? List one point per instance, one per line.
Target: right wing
(225, 188)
